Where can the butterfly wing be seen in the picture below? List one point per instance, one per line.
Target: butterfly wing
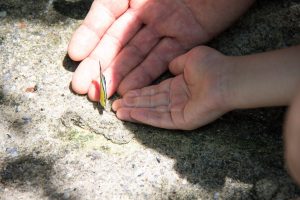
(102, 92)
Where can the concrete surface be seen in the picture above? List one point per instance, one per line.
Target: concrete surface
(56, 145)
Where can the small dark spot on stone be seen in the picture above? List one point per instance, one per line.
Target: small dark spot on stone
(6, 175)
(157, 159)
(1, 97)
(1, 40)
(141, 174)
(27, 120)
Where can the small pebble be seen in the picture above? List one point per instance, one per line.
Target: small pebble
(17, 108)
(66, 195)
(7, 76)
(27, 120)
(12, 151)
(216, 196)
(3, 13)
(32, 89)
(94, 155)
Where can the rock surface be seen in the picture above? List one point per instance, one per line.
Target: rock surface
(55, 144)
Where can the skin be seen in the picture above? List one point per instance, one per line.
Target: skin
(191, 99)
(135, 40)
(132, 37)
(292, 139)
(208, 84)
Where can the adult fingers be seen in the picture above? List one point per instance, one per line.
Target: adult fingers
(109, 46)
(152, 67)
(120, 32)
(82, 77)
(94, 90)
(100, 17)
(131, 55)
(163, 87)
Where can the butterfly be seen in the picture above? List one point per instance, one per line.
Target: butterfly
(102, 89)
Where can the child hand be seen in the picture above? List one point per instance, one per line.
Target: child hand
(292, 139)
(193, 98)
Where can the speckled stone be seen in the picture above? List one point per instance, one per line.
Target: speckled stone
(69, 149)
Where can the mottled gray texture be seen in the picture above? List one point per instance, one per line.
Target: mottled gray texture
(58, 145)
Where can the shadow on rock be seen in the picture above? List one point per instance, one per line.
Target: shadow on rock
(69, 64)
(28, 172)
(75, 10)
(42, 9)
(245, 146)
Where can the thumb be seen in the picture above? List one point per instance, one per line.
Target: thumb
(177, 65)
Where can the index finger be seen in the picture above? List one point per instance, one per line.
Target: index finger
(100, 17)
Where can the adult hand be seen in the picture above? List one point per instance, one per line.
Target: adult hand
(193, 98)
(136, 39)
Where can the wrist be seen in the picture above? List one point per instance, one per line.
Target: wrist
(227, 88)
(263, 80)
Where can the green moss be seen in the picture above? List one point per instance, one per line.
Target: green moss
(87, 140)
(78, 136)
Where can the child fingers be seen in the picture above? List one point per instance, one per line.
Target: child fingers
(124, 114)
(163, 87)
(152, 117)
(153, 101)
